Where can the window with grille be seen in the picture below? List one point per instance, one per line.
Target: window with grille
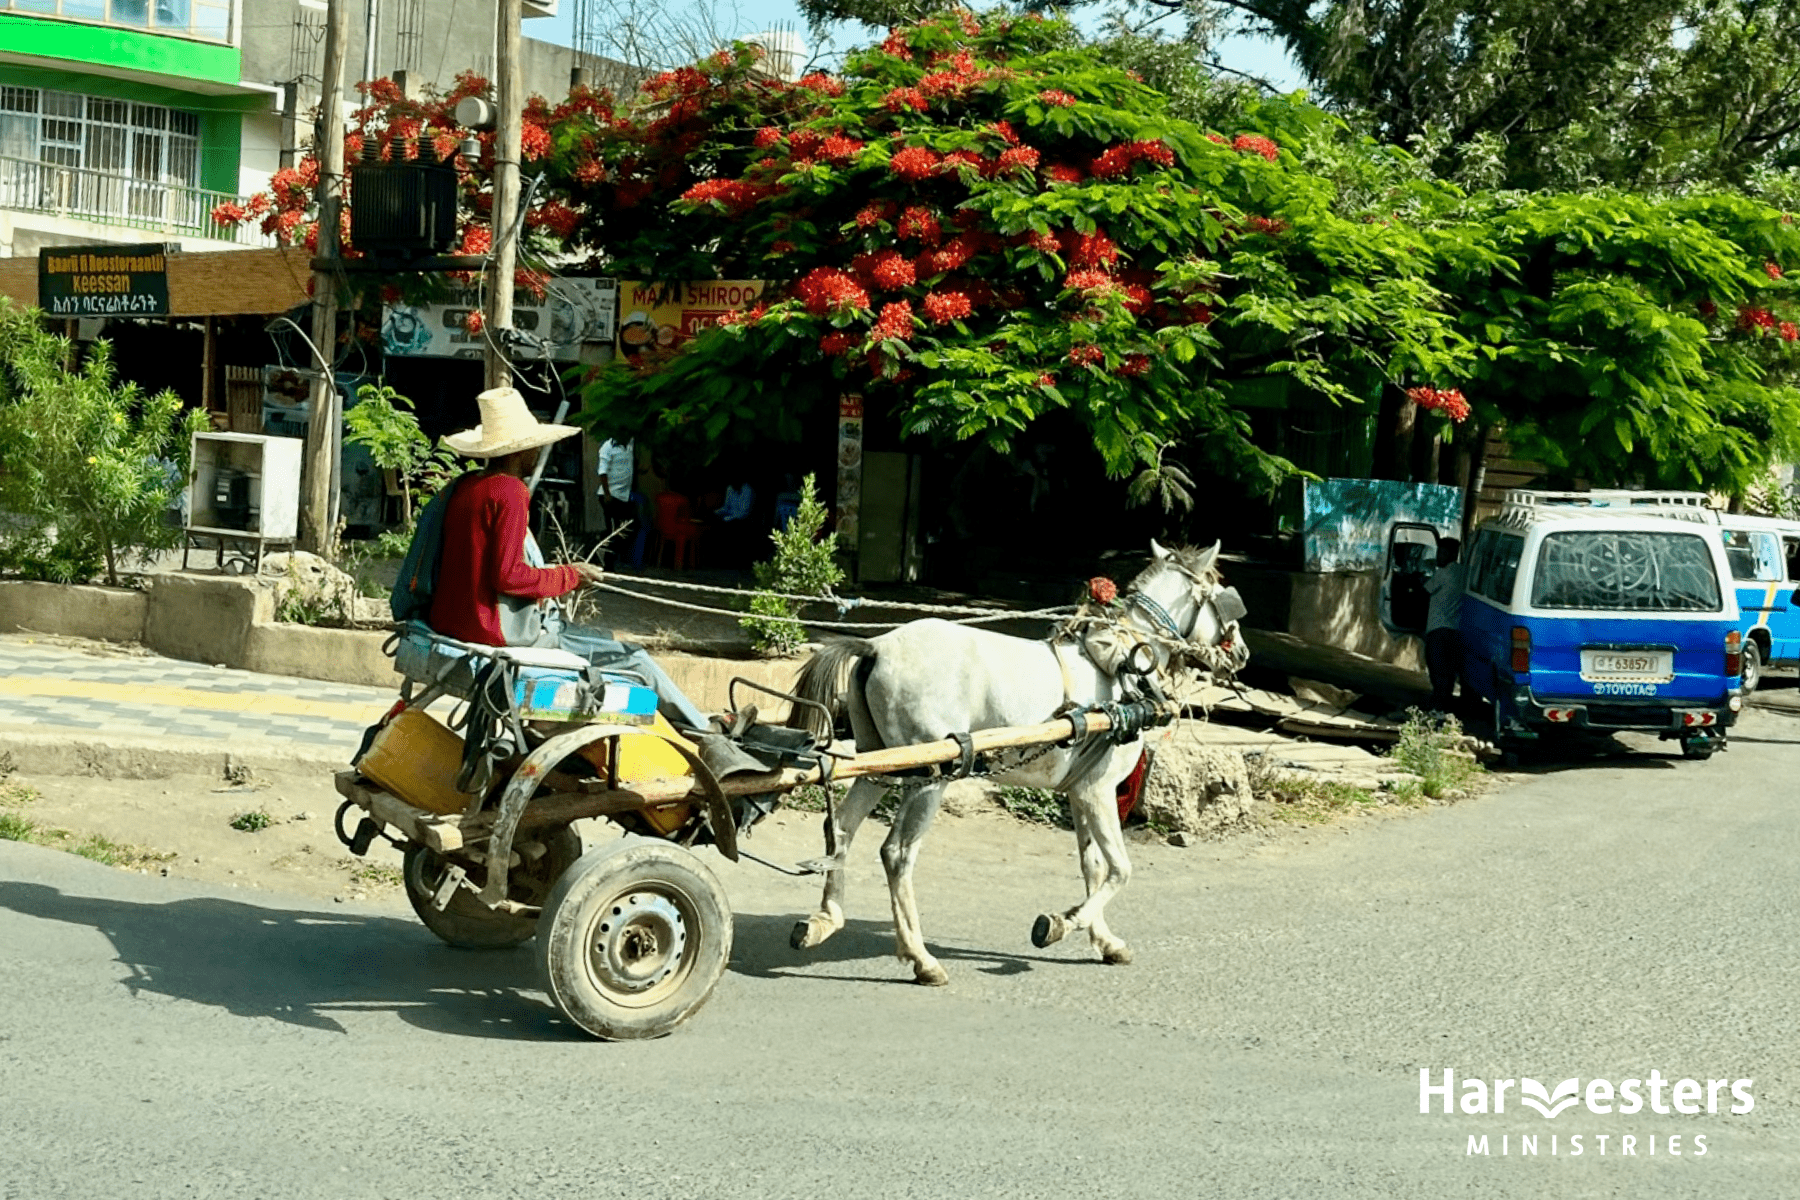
(146, 143)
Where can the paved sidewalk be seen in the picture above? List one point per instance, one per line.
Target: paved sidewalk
(52, 689)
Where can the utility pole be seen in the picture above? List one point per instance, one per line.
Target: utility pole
(324, 426)
(509, 128)
(371, 34)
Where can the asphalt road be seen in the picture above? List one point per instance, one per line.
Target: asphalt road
(159, 1039)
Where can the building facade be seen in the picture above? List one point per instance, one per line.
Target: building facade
(129, 120)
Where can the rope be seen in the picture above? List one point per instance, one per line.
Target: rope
(846, 603)
(987, 614)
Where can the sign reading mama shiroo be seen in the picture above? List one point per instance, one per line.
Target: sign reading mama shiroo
(104, 281)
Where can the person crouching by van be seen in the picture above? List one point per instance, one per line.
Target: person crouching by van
(1443, 627)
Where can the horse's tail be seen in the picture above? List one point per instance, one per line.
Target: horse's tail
(827, 680)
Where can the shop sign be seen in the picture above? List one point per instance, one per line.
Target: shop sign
(663, 316)
(850, 458)
(575, 320)
(104, 281)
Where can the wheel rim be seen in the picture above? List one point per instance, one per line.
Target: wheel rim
(637, 947)
(1752, 666)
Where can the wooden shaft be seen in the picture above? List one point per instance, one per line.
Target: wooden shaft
(561, 809)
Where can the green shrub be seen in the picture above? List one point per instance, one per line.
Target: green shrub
(804, 563)
(1432, 746)
(254, 821)
(1040, 806)
(92, 465)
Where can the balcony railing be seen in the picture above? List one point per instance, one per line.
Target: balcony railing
(119, 200)
(209, 20)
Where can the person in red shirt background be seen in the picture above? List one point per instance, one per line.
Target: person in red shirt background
(487, 589)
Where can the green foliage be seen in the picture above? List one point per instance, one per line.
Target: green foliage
(1039, 806)
(805, 564)
(382, 422)
(254, 821)
(91, 465)
(16, 827)
(1433, 747)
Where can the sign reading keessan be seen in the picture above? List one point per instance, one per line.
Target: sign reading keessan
(104, 281)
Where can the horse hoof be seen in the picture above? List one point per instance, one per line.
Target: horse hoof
(1117, 958)
(931, 977)
(808, 934)
(1047, 930)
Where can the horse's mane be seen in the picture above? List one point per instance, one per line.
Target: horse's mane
(1191, 559)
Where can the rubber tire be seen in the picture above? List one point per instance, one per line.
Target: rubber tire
(587, 893)
(1699, 748)
(466, 922)
(1753, 665)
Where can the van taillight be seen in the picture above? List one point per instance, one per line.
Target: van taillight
(1521, 650)
(1734, 654)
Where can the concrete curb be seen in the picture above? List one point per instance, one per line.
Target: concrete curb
(35, 750)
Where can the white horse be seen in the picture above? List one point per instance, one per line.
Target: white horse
(930, 679)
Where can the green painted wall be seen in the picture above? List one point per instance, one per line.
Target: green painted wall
(131, 49)
(221, 145)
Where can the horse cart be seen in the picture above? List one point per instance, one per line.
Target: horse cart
(634, 934)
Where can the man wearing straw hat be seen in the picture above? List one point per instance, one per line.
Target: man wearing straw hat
(490, 575)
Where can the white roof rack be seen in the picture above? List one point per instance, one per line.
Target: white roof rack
(1605, 498)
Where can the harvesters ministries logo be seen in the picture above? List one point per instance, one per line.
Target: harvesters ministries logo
(1668, 1116)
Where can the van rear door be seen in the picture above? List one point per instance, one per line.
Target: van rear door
(1630, 613)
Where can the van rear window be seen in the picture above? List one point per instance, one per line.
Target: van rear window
(1625, 572)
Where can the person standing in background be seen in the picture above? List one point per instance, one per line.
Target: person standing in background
(618, 471)
(1443, 627)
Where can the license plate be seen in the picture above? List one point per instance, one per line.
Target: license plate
(1643, 666)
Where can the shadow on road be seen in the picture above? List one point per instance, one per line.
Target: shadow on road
(761, 950)
(303, 967)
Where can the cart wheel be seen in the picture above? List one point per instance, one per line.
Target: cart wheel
(638, 933)
(466, 922)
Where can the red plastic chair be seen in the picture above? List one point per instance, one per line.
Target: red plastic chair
(676, 527)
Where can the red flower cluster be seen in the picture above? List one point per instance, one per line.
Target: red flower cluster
(826, 289)
(477, 239)
(819, 81)
(1751, 319)
(1046, 381)
(781, 246)
(1772, 270)
(1091, 249)
(805, 142)
(917, 221)
(1708, 309)
(474, 321)
(967, 158)
(1115, 163)
(1020, 159)
(874, 212)
(896, 321)
(1086, 356)
(1088, 279)
(1102, 590)
(555, 216)
(1790, 332)
(1213, 137)
(590, 173)
(887, 270)
(1044, 243)
(895, 44)
(1272, 226)
(951, 256)
(945, 85)
(767, 136)
(1450, 402)
(534, 142)
(836, 343)
(1064, 173)
(1007, 133)
(838, 148)
(1057, 97)
(743, 316)
(1253, 143)
(902, 98)
(1135, 365)
(915, 163)
(735, 195)
(1138, 298)
(944, 307)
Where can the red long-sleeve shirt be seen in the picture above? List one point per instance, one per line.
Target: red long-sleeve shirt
(484, 558)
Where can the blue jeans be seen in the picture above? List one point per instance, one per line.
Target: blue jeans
(603, 651)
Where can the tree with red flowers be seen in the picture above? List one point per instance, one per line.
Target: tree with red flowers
(982, 223)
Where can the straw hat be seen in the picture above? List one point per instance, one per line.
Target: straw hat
(507, 427)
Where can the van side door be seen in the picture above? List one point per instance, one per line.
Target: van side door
(1411, 559)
